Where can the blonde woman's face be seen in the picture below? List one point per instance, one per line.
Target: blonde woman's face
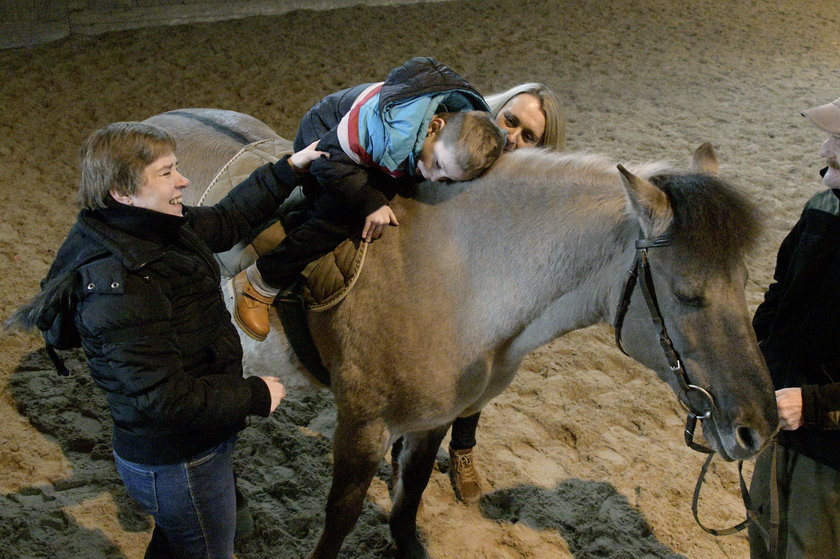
(523, 119)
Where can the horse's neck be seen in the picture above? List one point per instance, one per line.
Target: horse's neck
(527, 248)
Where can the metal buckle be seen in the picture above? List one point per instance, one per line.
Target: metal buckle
(688, 405)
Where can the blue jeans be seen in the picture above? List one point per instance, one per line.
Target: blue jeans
(193, 503)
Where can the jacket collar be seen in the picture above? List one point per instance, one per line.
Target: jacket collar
(136, 236)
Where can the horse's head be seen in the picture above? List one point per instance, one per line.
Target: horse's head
(703, 227)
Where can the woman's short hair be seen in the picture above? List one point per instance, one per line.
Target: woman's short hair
(554, 136)
(114, 157)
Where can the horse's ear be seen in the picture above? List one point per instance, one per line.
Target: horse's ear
(648, 202)
(704, 160)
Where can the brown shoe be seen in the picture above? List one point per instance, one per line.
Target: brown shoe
(464, 477)
(250, 309)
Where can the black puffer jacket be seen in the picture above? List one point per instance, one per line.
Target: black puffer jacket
(140, 290)
(798, 326)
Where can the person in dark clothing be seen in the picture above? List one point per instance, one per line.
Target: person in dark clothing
(798, 328)
(136, 286)
(424, 122)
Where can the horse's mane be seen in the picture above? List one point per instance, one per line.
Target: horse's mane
(712, 218)
(544, 165)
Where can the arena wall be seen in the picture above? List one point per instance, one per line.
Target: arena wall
(25, 23)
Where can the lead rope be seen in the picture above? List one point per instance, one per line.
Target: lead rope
(771, 536)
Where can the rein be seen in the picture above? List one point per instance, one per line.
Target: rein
(698, 402)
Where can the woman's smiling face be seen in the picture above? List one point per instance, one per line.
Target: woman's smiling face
(161, 187)
(523, 119)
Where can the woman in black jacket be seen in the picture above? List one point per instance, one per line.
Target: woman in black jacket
(136, 285)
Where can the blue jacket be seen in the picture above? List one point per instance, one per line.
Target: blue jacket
(380, 128)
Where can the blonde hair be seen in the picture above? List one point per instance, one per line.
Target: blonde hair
(114, 157)
(475, 138)
(554, 136)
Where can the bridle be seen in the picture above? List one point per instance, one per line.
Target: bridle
(698, 402)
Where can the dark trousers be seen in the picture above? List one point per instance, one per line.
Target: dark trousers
(809, 506)
(305, 243)
(463, 432)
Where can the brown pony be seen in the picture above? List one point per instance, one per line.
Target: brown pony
(480, 273)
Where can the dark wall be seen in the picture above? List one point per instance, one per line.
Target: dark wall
(30, 22)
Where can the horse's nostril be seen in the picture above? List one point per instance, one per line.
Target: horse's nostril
(748, 438)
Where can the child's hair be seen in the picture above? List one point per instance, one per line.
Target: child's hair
(114, 157)
(477, 139)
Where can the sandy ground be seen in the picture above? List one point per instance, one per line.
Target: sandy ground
(583, 454)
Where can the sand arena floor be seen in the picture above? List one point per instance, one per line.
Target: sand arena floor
(583, 454)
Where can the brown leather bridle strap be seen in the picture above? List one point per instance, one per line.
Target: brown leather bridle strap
(702, 405)
(697, 401)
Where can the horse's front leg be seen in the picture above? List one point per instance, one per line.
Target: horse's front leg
(357, 451)
(416, 459)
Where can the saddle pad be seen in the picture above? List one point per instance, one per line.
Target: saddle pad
(328, 279)
(241, 165)
(331, 277)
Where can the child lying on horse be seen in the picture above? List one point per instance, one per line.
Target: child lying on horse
(424, 122)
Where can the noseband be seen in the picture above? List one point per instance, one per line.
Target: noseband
(697, 401)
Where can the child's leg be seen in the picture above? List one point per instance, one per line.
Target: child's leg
(280, 268)
(256, 286)
(466, 481)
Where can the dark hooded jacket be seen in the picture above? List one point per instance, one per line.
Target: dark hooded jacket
(139, 291)
(798, 326)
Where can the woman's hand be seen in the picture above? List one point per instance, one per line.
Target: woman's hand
(277, 391)
(300, 161)
(789, 403)
(376, 222)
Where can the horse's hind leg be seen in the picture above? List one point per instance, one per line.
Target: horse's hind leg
(416, 459)
(358, 449)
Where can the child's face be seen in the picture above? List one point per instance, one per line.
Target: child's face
(437, 160)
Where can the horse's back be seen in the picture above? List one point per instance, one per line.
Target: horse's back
(207, 139)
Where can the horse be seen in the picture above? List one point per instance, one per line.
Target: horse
(480, 273)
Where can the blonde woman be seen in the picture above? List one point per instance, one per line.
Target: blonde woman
(532, 116)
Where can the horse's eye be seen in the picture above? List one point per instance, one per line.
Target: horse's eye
(690, 301)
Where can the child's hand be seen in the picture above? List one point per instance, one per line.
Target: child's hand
(300, 161)
(376, 222)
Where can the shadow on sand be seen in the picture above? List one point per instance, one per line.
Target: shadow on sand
(594, 519)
